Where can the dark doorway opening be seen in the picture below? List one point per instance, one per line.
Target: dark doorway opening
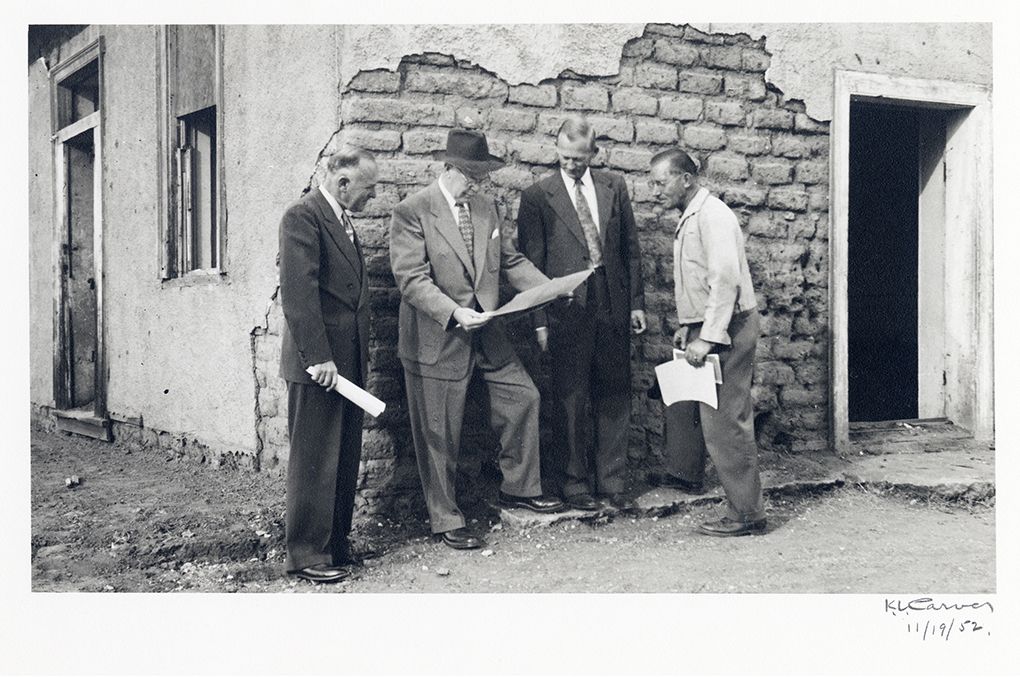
(882, 285)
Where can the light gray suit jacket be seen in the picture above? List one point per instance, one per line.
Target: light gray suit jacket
(436, 276)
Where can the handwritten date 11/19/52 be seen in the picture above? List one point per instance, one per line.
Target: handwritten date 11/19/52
(941, 628)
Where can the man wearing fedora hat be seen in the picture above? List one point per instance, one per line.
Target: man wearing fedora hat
(447, 249)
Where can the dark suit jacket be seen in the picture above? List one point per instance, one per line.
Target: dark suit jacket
(324, 292)
(435, 277)
(550, 234)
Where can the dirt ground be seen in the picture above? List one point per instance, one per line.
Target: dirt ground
(142, 521)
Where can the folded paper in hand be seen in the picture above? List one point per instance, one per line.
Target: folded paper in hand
(542, 294)
(679, 381)
(359, 396)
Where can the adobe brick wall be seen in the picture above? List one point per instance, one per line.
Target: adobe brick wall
(763, 156)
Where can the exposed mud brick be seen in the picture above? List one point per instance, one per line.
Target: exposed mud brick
(421, 141)
(656, 132)
(633, 100)
(724, 56)
(751, 196)
(676, 52)
(613, 128)
(468, 84)
(408, 171)
(725, 112)
(370, 139)
(811, 373)
(802, 227)
(774, 372)
(794, 351)
(532, 95)
(376, 81)
(631, 160)
(517, 178)
(396, 111)
(772, 118)
(534, 153)
(775, 324)
(794, 200)
(700, 83)
(704, 138)
(792, 396)
(695, 35)
(802, 418)
(549, 123)
(755, 60)
(811, 172)
(511, 119)
(731, 167)
(804, 123)
(742, 86)
(657, 75)
(680, 107)
(771, 172)
(747, 144)
(819, 202)
(585, 97)
(639, 48)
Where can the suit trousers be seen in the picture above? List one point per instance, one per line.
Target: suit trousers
(727, 433)
(436, 408)
(322, 474)
(590, 371)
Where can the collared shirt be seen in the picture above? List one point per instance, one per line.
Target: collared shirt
(587, 189)
(710, 272)
(340, 212)
(453, 205)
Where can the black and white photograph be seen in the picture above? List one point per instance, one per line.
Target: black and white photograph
(547, 342)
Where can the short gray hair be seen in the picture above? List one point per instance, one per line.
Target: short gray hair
(348, 156)
(576, 129)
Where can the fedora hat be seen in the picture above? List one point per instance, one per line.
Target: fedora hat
(468, 150)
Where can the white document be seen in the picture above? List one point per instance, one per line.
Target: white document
(543, 293)
(679, 381)
(364, 399)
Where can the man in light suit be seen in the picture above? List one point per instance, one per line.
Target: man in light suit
(324, 293)
(447, 249)
(717, 313)
(574, 219)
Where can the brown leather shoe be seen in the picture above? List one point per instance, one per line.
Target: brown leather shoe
(320, 574)
(462, 539)
(543, 504)
(730, 527)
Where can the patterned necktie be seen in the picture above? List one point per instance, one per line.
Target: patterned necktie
(467, 231)
(591, 231)
(348, 226)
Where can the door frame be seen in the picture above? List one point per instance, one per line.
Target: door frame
(966, 241)
(60, 136)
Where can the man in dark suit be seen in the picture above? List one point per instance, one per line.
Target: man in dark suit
(447, 250)
(324, 293)
(574, 219)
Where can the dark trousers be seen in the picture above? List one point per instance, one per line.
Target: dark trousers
(436, 408)
(590, 358)
(322, 474)
(727, 433)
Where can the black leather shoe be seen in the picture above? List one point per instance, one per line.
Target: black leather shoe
(669, 481)
(621, 502)
(320, 574)
(462, 539)
(582, 502)
(533, 503)
(729, 527)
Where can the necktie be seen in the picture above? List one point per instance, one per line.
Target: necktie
(467, 231)
(591, 231)
(348, 226)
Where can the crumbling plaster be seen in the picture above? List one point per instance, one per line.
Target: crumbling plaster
(804, 55)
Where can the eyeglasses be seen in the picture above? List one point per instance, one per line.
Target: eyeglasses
(469, 179)
(656, 185)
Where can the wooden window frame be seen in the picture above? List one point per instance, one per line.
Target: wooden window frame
(174, 234)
